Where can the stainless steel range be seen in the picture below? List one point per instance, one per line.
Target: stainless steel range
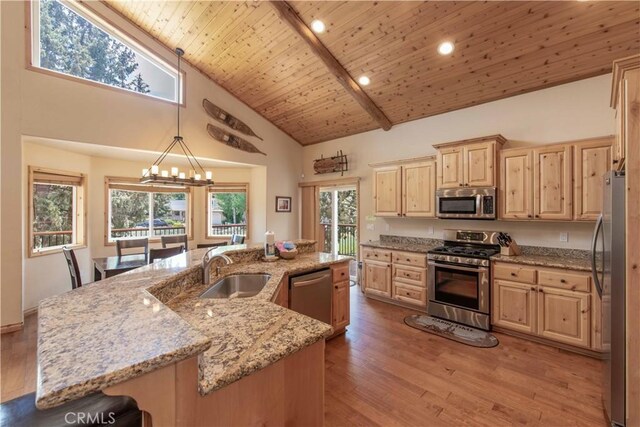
(459, 278)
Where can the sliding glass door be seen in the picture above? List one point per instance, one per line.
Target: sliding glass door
(339, 220)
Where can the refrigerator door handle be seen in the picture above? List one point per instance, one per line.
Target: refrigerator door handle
(594, 242)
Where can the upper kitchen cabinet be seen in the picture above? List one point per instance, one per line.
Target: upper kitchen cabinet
(516, 184)
(592, 159)
(405, 189)
(468, 163)
(625, 98)
(387, 191)
(552, 189)
(418, 189)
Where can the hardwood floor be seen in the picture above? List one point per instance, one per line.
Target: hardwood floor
(382, 372)
(385, 373)
(18, 360)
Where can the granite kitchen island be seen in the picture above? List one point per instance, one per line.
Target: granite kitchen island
(147, 334)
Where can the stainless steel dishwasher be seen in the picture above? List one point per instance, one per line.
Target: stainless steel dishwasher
(310, 294)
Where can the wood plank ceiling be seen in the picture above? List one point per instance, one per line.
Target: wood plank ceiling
(502, 49)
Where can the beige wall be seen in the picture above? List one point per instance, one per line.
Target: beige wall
(35, 104)
(47, 275)
(571, 111)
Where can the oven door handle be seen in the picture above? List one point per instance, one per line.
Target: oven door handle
(459, 267)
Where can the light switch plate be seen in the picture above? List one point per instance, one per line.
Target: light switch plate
(564, 237)
(430, 229)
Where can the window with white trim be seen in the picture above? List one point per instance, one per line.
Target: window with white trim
(70, 39)
(227, 210)
(142, 210)
(56, 211)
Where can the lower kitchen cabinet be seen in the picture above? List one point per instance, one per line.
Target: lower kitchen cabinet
(340, 298)
(554, 304)
(377, 278)
(514, 306)
(564, 316)
(410, 294)
(340, 305)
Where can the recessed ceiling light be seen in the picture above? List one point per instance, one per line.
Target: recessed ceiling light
(317, 26)
(364, 80)
(445, 48)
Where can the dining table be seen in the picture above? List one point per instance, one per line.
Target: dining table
(113, 265)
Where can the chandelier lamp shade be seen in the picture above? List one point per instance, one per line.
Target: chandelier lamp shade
(197, 177)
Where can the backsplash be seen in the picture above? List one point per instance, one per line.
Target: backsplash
(399, 240)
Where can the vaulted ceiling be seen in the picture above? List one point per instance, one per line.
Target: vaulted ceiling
(501, 49)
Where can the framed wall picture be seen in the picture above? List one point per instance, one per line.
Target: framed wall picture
(283, 204)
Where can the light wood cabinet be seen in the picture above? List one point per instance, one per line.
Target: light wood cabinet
(478, 164)
(387, 191)
(340, 298)
(552, 183)
(564, 316)
(514, 306)
(402, 279)
(418, 189)
(406, 189)
(516, 184)
(450, 167)
(468, 163)
(591, 161)
(550, 303)
(377, 278)
(340, 305)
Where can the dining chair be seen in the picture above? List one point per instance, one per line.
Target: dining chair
(74, 270)
(178, 238)
(132, 243)
(211, 245)
(156, 254)
(237, 239)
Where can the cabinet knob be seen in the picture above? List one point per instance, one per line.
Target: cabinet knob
(533, 288)
(615, 161)
(336, 286)
(529, 216)
(537, 216)
(563, 281)
(541, 291)
(461, 185)
(399, 214)
(513, 274)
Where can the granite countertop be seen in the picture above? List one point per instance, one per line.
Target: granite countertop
(250, 333)
(578, 264)
(119, 328)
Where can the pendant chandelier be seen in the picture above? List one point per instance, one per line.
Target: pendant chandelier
(198, 177)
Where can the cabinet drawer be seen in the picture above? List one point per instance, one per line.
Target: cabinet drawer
(411, 275)
(340, 273)
(376, 255)
(514, 273)
(563, 280)
(410, 258)
(410, 294)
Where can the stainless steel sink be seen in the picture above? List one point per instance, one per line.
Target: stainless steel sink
(237, 286)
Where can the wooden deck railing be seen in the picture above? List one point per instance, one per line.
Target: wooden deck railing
(47, 239)
(347, 238)
(229, 230)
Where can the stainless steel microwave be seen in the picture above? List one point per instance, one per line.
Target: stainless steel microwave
(466, 203)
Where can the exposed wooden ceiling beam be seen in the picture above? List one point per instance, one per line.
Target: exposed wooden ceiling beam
(289, 15)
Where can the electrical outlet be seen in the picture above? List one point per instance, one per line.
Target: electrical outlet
(386, 226)
(564, 237)
(371, 226)
(430, 229)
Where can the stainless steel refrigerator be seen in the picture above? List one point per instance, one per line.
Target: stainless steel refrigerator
(608, 270)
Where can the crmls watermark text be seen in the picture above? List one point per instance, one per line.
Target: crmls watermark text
(99, 418)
